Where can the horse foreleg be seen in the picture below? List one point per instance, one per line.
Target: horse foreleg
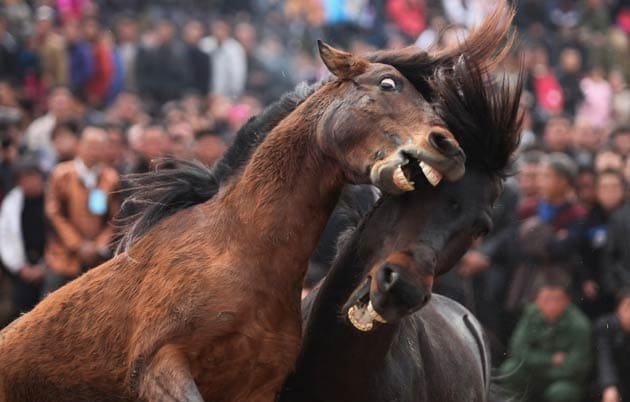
(167, 378)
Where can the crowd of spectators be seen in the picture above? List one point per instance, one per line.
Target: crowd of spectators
(91, 90)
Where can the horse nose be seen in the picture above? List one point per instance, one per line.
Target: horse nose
(443, 141)
(401, 292)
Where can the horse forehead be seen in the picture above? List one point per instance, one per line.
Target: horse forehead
(375, 70)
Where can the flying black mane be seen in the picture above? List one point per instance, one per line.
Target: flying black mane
(158, 194)
(482, 114)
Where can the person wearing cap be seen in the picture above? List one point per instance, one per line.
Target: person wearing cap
(551, 230)
(23, 234)
(550, 350)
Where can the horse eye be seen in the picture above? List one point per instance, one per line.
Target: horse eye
(388, 84)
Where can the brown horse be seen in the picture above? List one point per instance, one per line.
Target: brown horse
(206, 303)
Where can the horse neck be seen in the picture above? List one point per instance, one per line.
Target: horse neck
(332, 348)
(281, 202)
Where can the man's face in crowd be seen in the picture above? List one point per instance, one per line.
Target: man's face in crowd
(92, 145)
(552, 186)
(32, 184)
(608, 160)
(610, 191)
(557, 135)
(552, 303)
(528, 179)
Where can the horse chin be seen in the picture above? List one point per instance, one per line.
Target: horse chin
(360, 310)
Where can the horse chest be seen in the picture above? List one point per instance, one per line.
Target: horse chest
(250, 364)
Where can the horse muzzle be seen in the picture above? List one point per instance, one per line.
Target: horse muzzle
(407, 165)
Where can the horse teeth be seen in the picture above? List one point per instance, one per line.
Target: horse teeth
(433, 176)
(355, 322)
(400, 180)
(375, 316)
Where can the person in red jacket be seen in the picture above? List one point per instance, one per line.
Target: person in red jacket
(408, 15)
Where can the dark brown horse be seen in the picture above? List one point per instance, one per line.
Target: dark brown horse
(364, 337)
(205, 304)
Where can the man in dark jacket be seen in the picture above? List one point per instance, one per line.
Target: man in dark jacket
(616, 259)
(612, 337)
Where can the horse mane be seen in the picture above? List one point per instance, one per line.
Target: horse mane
(158, 194)
(486, 46)
(484, 115)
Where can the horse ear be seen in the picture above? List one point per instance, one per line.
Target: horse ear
(342, 64)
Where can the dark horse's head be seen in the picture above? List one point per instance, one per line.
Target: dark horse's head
(422, 234)
(382, 130)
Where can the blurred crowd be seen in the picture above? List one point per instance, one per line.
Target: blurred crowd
(92, 90)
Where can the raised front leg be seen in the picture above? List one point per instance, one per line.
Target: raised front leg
(168, 378)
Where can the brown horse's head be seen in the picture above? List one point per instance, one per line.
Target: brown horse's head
(411, 239)
(382, 130)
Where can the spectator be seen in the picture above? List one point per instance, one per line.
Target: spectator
(126, 110)
(182, 138)
(65, 140)
(209, 146)
(547, 240)
(127, 47)
(37, 137)
(8, 53)
(557, 135)
(157, 80)
(409, 16)
(596, 107)
(550, 350)
(528, 167)
(81, 59)
(228, 61)
(608, 159)
(80, 206)
(610, 197)
(616, 258)
(612, 345)
(621, 96)
(8, 156)
(153, 144)
(199, 61)
(23, 233)
(586, 187)
(620, 140)
(101, 80)
(52, 49)
(569, 76)
(19, 18)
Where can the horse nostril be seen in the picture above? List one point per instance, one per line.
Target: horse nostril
(389, 277)
(444, 144)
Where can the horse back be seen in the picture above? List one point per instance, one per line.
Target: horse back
(453, 346)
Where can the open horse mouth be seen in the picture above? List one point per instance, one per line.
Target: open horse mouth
(361, 313)
(405, 174)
